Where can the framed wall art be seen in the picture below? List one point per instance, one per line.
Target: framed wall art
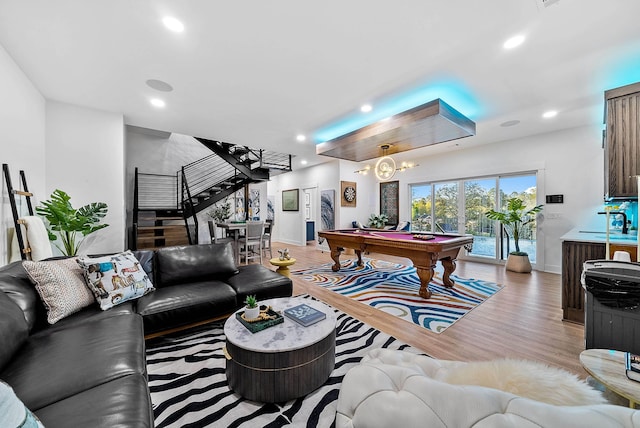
(290, 200)
(348, 194)
(389, 192)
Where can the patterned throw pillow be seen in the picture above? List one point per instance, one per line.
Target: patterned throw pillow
(115, 279)
(13, 413)
(60, 285)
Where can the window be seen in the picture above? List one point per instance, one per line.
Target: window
(436, 207)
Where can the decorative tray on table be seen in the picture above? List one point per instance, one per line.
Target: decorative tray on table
(268, 318)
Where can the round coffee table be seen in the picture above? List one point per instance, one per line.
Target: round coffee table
(283, 265)
(608, 367)
(282, 362)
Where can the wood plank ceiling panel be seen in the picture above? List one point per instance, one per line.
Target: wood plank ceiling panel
(431, 123)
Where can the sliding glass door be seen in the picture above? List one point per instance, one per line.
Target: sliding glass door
(436, 207)
(480, 197)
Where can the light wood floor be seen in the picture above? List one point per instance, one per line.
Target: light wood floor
(523, 320)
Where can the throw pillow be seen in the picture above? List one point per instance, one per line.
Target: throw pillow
(60, 285)
(13, 413)
(116, 278)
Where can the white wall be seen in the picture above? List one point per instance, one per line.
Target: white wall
(568, 162)
(22, 139)
(85, 158)
(290, 226)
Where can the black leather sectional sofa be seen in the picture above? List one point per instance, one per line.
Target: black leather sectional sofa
(89, 370)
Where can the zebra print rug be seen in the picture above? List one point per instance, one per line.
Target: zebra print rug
(189, 387)
(393, 288)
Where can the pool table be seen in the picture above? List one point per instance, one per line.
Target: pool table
(424, 253)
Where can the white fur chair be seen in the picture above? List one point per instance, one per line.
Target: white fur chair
(400, 389)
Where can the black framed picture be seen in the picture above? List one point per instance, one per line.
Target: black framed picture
(290, 200)
(389, 192)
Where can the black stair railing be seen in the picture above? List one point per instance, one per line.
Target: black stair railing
(187, 206)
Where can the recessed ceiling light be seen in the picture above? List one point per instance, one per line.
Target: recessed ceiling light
(159, 85)
(513, 42)
(509, 123)
(366, 108)
(157, 102)
(173, 24)
(300, 138)
(303, 162)
(549, 114)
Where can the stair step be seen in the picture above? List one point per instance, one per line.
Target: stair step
(165, 227)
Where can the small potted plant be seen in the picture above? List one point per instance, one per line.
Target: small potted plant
(378, 220)
(251, 309)
(514, 218)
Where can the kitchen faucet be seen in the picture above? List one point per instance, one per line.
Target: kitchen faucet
(625, 228)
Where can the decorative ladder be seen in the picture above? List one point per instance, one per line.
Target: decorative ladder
(24, 251)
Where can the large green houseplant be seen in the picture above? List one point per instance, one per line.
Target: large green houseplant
(514, 219)
(66, 222)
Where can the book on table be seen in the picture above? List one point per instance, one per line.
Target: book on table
(632, 366)
(304, 314)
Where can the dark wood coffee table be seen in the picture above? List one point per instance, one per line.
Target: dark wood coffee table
(282, 362)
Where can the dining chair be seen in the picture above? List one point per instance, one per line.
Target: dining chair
(266, 238)
(252, 239)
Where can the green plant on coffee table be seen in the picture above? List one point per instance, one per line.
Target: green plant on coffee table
(378, 220)
(65, 222)
(251, 301)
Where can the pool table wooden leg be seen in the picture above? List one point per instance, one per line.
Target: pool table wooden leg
(425, 275)
(359, 254)
(449, 265)
(335, 255)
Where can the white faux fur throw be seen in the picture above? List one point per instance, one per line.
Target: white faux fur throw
(527, 379)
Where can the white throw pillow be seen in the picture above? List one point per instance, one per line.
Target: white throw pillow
(116, 278)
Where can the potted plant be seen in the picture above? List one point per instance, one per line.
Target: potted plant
(514, 218)
(66, 222)
(378, 220)
(221, 213)
(251, 308)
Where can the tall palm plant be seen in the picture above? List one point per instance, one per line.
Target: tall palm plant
(515, 218)
(66, 222)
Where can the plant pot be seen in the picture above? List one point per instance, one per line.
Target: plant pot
(516, 263)
(251, 313)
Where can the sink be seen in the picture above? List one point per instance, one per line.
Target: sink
(613, 236)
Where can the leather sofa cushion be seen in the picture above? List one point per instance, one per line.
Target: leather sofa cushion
(54, 366)
(13, 329)
(16, 283)
(257, 279)
(172, 307)
(92, 313)
(191, 263)
(120, 403)
(145, 257)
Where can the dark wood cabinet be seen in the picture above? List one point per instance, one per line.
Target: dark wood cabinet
(622, 141)
(574, 254)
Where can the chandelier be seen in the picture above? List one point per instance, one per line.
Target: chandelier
(386, 167)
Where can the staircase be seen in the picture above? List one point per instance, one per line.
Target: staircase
(165, 206)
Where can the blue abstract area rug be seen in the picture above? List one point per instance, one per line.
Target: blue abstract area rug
(393, 288)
